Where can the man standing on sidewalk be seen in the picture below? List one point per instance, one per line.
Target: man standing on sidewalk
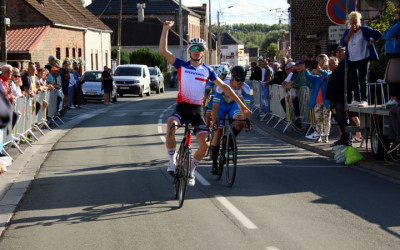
(106, 85)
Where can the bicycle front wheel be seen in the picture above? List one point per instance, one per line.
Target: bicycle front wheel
(231, 159)
(184, 176)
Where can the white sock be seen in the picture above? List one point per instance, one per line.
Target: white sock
(171, 154)
(195, 163)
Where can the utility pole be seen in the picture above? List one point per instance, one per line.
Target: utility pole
(119, 33)
(209, 33)
(3, 32)
(180, 29)
(219, 40)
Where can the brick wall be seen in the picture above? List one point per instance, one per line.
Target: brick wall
(308, 18)
(21, 14)
(58, 38)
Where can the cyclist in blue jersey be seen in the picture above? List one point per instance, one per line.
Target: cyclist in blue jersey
(223, 104)
(222, 73)
(193, 75)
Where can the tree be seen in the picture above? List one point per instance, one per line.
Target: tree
(148, 57)
(124, 55)
(273, 49)
(381, 24)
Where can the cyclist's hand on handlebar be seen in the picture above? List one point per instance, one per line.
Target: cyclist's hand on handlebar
(215, 125)
(248, 125)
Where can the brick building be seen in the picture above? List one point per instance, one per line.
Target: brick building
(59, 28)
(309, 25)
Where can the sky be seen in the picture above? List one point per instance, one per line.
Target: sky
(245, 11)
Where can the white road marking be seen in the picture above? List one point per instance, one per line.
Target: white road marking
(160, 121)
(236, 212)
(147, 113)
(162, 139)
(159, 130)
(119, 115)
(272, 248)
(201, 179)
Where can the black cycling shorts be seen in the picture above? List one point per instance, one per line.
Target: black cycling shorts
(192, 113)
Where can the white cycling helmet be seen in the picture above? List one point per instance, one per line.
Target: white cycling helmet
(223, 71)
(197, 42)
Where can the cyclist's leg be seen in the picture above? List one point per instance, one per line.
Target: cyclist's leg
(170, 141)
(208, 113)
(217, 135)
(234, 113)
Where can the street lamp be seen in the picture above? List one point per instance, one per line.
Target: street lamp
(219, 35)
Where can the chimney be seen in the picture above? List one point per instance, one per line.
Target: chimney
(141, 8)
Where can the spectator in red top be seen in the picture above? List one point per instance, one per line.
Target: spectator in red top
(4, 78)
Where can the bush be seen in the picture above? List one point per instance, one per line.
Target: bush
(124, 55)
(148, 57)
(167, 78)
(383, 22)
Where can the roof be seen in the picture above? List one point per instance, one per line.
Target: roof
(107, 7)
(25, 38)
(228, 39)
(67, 12)
(131, 28)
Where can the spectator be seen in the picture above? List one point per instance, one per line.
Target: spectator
(255, 72)
(267, 72)
(75, 80)
(5, 109)
(66, 88)
(392, 49)
(284, 62)
(293, 86)
(279, 75)
(360, 49)
(54, 80)
(4, 80)
(335, 94)
(333, 63)
(16, 82)
(52, 63)
(37, 65)
(318, 102)
(291, 74)
(78, 98)
(16, 65)
(106, 85)
(322, 60)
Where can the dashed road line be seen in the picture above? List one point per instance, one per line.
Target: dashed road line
(201, 179)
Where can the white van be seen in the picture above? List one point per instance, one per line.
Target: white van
(132, 79)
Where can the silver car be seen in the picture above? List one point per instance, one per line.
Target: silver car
(157, 80)
(91, 86)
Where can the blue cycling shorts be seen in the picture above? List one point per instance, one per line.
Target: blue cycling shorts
(231, 109)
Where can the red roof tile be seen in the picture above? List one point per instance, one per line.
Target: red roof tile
(25, 38)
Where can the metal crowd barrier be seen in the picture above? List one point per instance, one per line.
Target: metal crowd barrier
(268, 101)
(29, 113)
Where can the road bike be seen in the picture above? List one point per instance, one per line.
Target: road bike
(183, 162)
(228, 151)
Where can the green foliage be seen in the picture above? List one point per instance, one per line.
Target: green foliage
(272, 49)
(167, 78)
(124, 55)
(383, 22)
(272, 37)
(148, 57)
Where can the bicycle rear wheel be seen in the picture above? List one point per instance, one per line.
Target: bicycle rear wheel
(231, 159)
(221, 157)
(184, 176)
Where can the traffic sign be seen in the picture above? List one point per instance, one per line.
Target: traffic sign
(336, 32)
(336, 10)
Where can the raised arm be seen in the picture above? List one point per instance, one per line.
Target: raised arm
(229, 92)
(163, 47)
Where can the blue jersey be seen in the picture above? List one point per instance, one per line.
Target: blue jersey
(243, 93)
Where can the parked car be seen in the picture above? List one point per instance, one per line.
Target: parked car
(132, 79)
(91, 86)
(157, 79)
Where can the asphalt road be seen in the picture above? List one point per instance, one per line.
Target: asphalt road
(104, 186)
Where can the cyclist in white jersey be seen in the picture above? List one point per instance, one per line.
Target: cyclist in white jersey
(192, 79)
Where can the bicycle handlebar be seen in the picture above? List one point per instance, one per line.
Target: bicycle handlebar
(187, 124)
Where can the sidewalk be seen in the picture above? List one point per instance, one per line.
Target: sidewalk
(297, 138)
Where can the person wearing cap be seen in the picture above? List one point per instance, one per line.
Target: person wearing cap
(54, 80)
(290, 72)
(360, 49)
(193, 77)
(52, 63)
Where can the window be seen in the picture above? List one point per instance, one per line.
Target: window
(73, 52)
(67, 52)
(58, 53)
(79, 52)
(97, 61)
(106, 58)
(91, 60)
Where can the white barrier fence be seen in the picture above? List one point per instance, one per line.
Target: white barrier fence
(29, 113)
(281, 105)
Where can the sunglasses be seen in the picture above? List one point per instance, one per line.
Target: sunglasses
(17, 76)
(238, 79)
(197, 48)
